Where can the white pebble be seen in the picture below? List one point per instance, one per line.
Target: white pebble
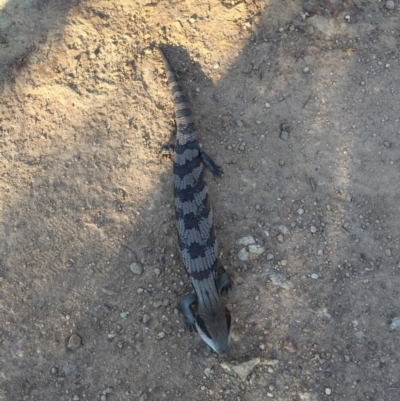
(320, 252)
(267, 105)
(328, 391)
(255, 251)
(243, 255)
(314, 276)
(300, 211)
(313, 229)
(249, 240)
(390, 5)
(136, 268)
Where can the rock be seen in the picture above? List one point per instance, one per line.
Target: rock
(279, 279)
(243, 255)
(124, 315)
(245, 368)
(308, 397)
(387, 144)
(249, 240)
(390, 5)
(306, 69)
(320, 252)
(313, 229)
(324, 24)
(167, 330)
(146, 318)
(267, 105)
(239, 123)
(284, 230)
(157, 303)
(284, 135)
(314, 276)
(136, 268)
(270, 256)
(74, 342)
(280, 238)
(255, 251)
(328, 391)
(388, 252)
(395, 323)
(300, 211)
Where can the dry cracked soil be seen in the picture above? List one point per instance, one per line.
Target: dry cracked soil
(297, 100)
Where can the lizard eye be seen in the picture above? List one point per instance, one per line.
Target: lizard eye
(202, 326)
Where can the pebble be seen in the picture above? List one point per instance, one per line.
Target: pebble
(390, 5)
(146, 318)
(387, 144)
(313, 229)
(124, 315)
(198, 89)
(74, 342)
(284, 230)
(284, 135)
(306, 69)
(280, 238)
(136, 268)
(76, 397)
(320, 252)
(249, 240)
(314, 276)
(281, 162)
(243, 255)
(279, 280)
(239, 123)
(328, 391)
(395, 323)
(388, 252)
(167, 330)
(255, 251)
(157, 271)
(157, 303)
(270, 256)
(283, 262)
(267, 105)
(300, 211)
(258, 207)
(161, 334)
(216, 66)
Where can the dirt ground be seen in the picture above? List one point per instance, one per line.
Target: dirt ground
(297, 100)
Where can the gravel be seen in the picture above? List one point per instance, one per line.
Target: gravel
(136, 268)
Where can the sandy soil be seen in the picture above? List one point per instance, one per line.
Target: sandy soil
(84, 111)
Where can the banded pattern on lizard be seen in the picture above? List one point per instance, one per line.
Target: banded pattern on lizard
(194, 215)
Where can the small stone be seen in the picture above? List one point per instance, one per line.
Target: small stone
(349, 198)
(387, 144)
(267, 105)
(284, 135)
(76, 397)
(388, 252)
(161, 334)
(239, 123)
(280, 238)
(306, 69)
(255, 251)
(320, 252)
(157, 271)
(270, 256)
(313, 229)
(146, 318)
(124, 315)
(258, 207)
(249, 240)
(258, 122)
(103, 398)
(157, 303)
(284, 230)
(216, 66)
(300, 211)
(395, 323)
(390, 5)
(135, 268)
(283, 262)
(281, 162)
(243, 255)
(328, 391)
(328, 207)
(197, 89)
(314, 276)
(74, 342)
(167, 330)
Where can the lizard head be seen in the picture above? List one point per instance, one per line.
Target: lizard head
(215, 328)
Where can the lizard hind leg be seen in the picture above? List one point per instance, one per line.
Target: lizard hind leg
(167, 150)
(210, 163)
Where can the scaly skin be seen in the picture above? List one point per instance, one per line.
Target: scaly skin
(194, 215)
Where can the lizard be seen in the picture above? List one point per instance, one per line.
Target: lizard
(196, 233)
